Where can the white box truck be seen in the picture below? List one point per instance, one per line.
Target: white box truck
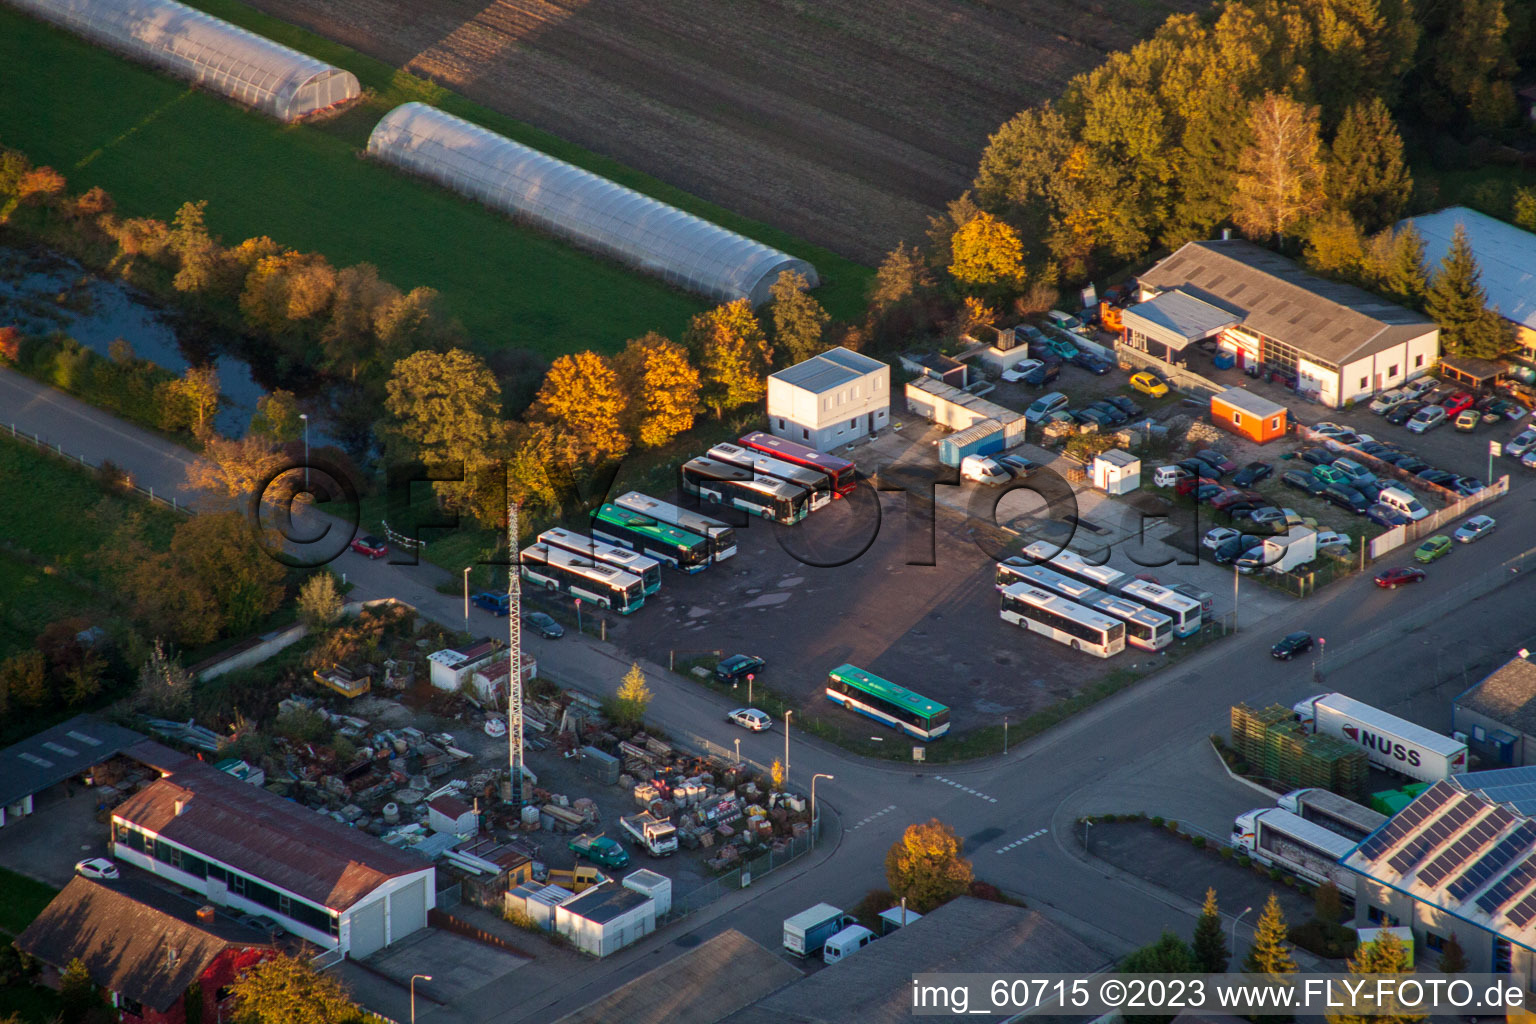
(1286, 552)
(1278, 838)
(1390, 742)
(657, 835)
(808, 931)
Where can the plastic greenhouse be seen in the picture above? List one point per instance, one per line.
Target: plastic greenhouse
(209, 51)
(588, 209)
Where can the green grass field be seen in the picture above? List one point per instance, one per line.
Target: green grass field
(153, 143)
(21, 899)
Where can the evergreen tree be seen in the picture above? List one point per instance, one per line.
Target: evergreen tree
(799, 322)
(1327, 905)
(633, 698)
(1457, 302)
(902, 274)
(1453, 959)
(1404, 276)
(1334, 246)
(78, 995)
(1385, 955)
(1270, 953)
(1472, 64)
(1524, 210)
(1168, 955)
(1210, 945)
(1366, 174)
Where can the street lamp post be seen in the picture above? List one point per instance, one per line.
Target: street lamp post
(305, 417)
(466, 597)
(750, 677)
(814, 823)
(786, 748)
(1236, 919)
(423, 977)
(1235, 578)
(1005, 734)
(1087, 844)
(738, 750)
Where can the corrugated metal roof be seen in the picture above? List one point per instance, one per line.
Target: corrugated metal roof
(953, 395)
(975, 432)
(56, 754)
(1247, 401)
(1278, 295)
(1505, 254)
(1176, 319)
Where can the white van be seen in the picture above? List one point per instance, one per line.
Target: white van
(1399, 500)
(846, 942)
(983, 470)
(1169, 476)
(1066, 321)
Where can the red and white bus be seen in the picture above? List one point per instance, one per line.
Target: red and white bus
(841, 472)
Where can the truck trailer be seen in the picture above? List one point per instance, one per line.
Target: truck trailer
(1390, 742)
(1278, 838)
(1335, 813)
(657, 835)
(808, 931)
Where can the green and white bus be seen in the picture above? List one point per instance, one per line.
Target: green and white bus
(647, 568)
(720, 537)
(566, 573)
(639, 532)
(887, 703)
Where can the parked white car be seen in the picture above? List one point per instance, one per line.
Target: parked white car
(1387, 401)
(983, 470)
(1219, 536)
(1521, 443)
(98, 868)
(1420, 386)
(751, 718)
(1426, 419)
(1327, 537)
(1019, 370)
(1474, 529)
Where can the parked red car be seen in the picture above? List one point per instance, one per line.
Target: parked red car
(1233, 496)
(1391, 579)
(1457, 402)
(370, 546)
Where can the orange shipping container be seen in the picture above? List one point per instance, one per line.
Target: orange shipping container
(1253, 416)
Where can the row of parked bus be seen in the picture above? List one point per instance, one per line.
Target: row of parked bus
(619, 565)
(768, 477)
(1091, 608)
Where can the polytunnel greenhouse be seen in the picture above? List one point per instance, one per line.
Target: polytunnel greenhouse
(208, 51)
(588, 209)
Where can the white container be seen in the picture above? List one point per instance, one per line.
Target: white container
(530, 818)
(391, 813)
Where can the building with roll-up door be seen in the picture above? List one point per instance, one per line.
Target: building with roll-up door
(239, 846)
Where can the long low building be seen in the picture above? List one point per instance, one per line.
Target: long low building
(54, 756)
(240, 846)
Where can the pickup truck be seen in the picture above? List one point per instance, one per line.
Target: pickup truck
(601, 850)
(496, 604)
(657, 835)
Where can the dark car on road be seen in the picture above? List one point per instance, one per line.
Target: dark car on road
(1391, 579)
(1403, 413)
(1291, 645)
(1412, 464)
(1443, 477)
(1216, 459)
(1346, 498)
(737, 667)
(1385, 515)
(1095, 365)
(1253, 473)
(1200, 468)
(543, 625)
(1301, 480)
(491, 601)
(1230, 551)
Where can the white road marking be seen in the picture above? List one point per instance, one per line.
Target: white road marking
(966, 789)
(1019, 842)
(872, 817)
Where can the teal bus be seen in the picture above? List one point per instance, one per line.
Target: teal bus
(639, 532)
(887, 703)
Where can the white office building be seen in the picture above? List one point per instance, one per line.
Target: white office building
(830, 399)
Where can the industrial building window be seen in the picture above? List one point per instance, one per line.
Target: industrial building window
(1363, 382)
(1392, 370)
(805, 435)
(781, 423)
(237, 884)
(1434, 942)
(284, 905)
(1274, 424)
(852, 424)
(1374, 914)
(1418, 360)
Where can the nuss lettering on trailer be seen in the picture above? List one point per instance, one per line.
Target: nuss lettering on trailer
(1383, 744)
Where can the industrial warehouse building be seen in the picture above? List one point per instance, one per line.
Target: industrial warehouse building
(240, 846)
(1498, 715)
(830, 399)
(1460, 859)
(605, 919)
(1506, 258)
(43, 764)
(644, 233)
(207, 51)
(1337, 342)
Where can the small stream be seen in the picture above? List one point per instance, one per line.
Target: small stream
(41, 293)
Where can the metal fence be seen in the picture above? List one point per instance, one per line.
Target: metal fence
(449, 898)
(58, 451)
(737, 878)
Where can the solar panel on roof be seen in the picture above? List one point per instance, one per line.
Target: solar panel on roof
(1461, 851)
(1436, 832)
(1524, 912)
(1508, 886)
(1493, 861)
(1408, 819)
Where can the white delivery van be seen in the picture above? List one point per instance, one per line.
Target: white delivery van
(846, 942)
(1399, 500)
(1168, 476)
(983, 470)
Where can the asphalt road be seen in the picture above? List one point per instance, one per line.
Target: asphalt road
(1144, 749)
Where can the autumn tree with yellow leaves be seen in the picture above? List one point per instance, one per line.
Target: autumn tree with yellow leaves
(925, 866)
(663, 388)
(581, 397)
(733, 352)
(986, 253)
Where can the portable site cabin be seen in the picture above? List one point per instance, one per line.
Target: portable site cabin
(1116, 472)
(1252, 416)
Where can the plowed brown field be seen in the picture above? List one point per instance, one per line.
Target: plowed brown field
(847, 122)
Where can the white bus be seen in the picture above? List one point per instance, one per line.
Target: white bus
(1185, 611)
(1335, 813)
(1076, 566)
(1064, 621)
(566, 573)
(740, 487)
(647, 568)
(1277, 838)
(819, 484)
(1144, 628)
(721, 538)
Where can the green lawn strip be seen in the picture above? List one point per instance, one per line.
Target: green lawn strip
(21, 900)
(153, 143)
(37, 597)
(60, 513)
(845, 281)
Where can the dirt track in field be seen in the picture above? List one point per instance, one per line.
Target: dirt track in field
(846, 122)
